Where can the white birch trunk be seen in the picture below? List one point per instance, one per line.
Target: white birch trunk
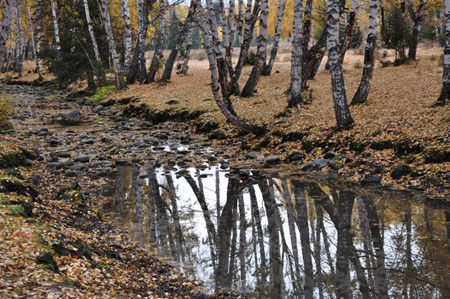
(296, 58)
(4, 31)
(91, 31)
(111, 43)
(445, 93)
(33, 42)
(185, 67)
(261, 51)
(55, 25)
(240, 26)
(342, 112)
(369, 56)
(18, 62)
(128, 38)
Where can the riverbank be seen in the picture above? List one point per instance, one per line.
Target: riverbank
(55, 242)
(400, 140)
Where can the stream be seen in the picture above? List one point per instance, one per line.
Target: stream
(259, 232)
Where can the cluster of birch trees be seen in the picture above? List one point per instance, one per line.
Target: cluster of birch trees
(104, 35)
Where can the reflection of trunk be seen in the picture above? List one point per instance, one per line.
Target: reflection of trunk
(257, 217)
(447, 227)
(223, 277)
(162, 219)
(302, 224)
(138, 205)
(407, 287)
(292, 231)
(119, 193)
(176, 217)
(276, 266)
(152, 213)
(233, 245)
(317, 251)
(242, 240)
(206, 214)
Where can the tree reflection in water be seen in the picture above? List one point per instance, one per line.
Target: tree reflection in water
(287, 238)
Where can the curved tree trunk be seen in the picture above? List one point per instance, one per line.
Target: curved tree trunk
(295, 94)
(369, 57)
(313, 58)
(445, 92)
(159, 44)
(168, 68)
(261, 52)
(342, 112)
(112, 45)
(267, 69)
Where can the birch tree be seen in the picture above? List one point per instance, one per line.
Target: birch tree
(369, 56)
(111, 43)
(127, 36)
(4, 30)
(55, 25)
(342, 112)
(296, 58)
(267, 69)
(445, 92)
(261, 52)
(157, 55)
(187, 53)
(91, 31)
(349, 29)
(417, 17)
(33, 42)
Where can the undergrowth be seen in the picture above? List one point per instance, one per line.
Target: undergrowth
(103, 93)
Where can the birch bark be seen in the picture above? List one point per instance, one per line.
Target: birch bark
(91, 30)
(417, 18)
(55, 25)
(349, 29)
(33, 42)
(296, 58)
(111, 43)
(185, 67)
(5, 29)
(18, 61)
(369, 56)
(128, 38)
(157, 56)
(261, 51)
(445, 92)
(342, 112)
(267, 69)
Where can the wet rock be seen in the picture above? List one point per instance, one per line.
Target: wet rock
(62, 154)
(273, 160)
(42, 132)
(88, 141)
(78, 167)
(399, 171)
(121, 162)
(84, 159)
(98, 108)
(72, 118)
(252, 155)
(55, 142)
(172, 102)
(295, 157)
(371, 180)
(329, 155)
(316, 165)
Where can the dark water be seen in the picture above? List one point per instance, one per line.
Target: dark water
(292, 237)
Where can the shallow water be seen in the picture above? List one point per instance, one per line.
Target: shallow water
(293, 237)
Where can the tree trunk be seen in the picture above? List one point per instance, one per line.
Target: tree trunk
(295, 94)
(267, 69)
(157, 55)
(223, 102)
(111, 43)
(55, 25)
(417, 18)
(33, 43)
(167, 74)
(349, 29)
(127, 35)
(261, 52)
(4, 31)
(307, 25)
(445, 92)
(369, 57)
(91, 30)
(250, 21)
(240, 26)
(18, 62)
(313, 58)
(342, 112)
(187, 54)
